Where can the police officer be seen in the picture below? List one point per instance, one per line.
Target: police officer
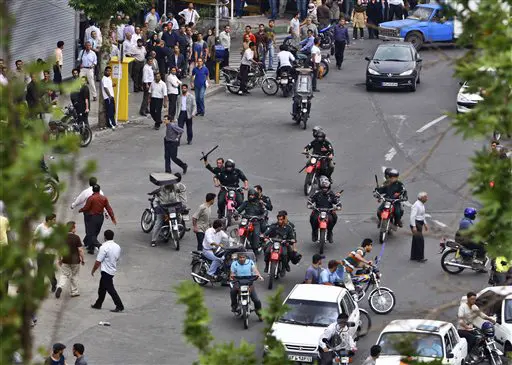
(284, 231)
(230, 176)
(393, 189)
(321, 146)
(324, 198)
(254, 207)
(267, 203)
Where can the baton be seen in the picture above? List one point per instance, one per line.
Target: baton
(205, 156)
(376, 181)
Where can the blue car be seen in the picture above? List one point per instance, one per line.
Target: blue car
(425, 24)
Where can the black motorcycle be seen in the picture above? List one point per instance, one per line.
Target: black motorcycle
(257, 77)
(456, 258)
(485, 349)
(201, 264)
(50, 183)
(303, 96)
(72, 123)
(244, 304)
(286, 80)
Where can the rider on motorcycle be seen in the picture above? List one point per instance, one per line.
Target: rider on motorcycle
(230, 176)
(355, 261)
(254, 207)
(321, 146)
(337, 337)
(173, 194)
(284, 231)
(267, 203)
(285, 59)
(324, 198)
(244, 267)
(460, 237)
(213, 237)
(393, 189)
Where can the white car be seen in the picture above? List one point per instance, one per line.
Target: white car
(465, 100)
(312, 308)
(430, 339)
(496, 301)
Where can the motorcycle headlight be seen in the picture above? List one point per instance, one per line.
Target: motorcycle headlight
(276, 245)
(231, 194)
(244, 221)
(304, 100)
(406, 73)
(372, 71)
(313, 160)
(323, 215)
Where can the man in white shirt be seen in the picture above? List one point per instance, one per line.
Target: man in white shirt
(139, 55)
(107, 258)
(225, 41)
(295, 26)
(245, 66)
(80, 200)
(417, 223)
(213, 237)
(173, 84)
(88, 61)
(190, 14)
(148, 76)
(42, 232)
(128, 45)
(338, 337)
(108, 97)
(316, 57)
(92, 28)
(158, 93)
(395, 8)
(152, 20)
(284, 60)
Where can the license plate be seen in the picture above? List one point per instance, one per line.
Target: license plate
(300, 358)
(186, 217)
(344, 360)
(390, 84)
(284, 81)
(172, 215)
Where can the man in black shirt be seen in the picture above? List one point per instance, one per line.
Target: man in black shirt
(82, 101)
(324, 198)
(229, 177)
(33, 96)
(321, 146)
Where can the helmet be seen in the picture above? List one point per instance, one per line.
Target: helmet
(387, 171)
(393, 173)
(320, 135)
(470, 213)
(252, 192)
(488, 329)
(317, 129)
(229, 165)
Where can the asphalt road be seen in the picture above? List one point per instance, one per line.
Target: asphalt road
(368, 130)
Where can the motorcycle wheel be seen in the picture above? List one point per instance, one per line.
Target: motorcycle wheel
(85, 136)
(365, 324)
(308, 184)
(272, 274)
(381, 300)
(494, 358)
(234, 88)
(325, 65)
(304, 121)
(182, 228)
(326, 43)
(323, 233)
(147, 221)
(245, 316)
(165, 233)
(229, 218)
(270, 86)
(384, 227)
(284, 89)
(52, 189)
(200, 270)
(176, 240)
(447, 258)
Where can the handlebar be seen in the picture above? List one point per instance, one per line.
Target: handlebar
(227, 188)
(309, 155)
(253, 217)
(378, 195)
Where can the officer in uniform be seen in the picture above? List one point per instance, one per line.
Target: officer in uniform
(323, 198)
(265, 200)
(284, 231)
(230, 177)
(393, 189)
(254, 207)
(321, 146)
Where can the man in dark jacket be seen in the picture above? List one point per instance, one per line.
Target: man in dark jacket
(394, 189)
(341, 40)
(253, 207)
(374, 14)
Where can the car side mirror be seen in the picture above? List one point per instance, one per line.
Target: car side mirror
(367, 58)
(419, 59)
(450, 355)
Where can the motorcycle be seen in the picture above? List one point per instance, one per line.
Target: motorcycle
(324, 65)
(286, 81)
(201, 264)
(245, 306)
(303, 61)
(323, 218)
(456, 257)
(50, 183)
(72, 123)
(257, 77)
(276, 260)
(230, 207)
(485, 349)
(313, 169)
(302, 98)
(381, 299)
(387, 216)
(326, 37)
(246, 236)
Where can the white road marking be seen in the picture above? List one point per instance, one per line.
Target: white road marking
(439, 223)
(384, 169)
(391, 153)
(430, 124)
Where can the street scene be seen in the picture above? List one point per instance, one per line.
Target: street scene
(341, 153)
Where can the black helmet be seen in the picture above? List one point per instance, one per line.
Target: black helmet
(252, 192)
(320, 135)
(229, 165)
(393, 173)
(317, 129)
(387, 171)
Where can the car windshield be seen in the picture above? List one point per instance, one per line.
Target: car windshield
(508, 311)
(310, 313)
(399, 54)
(422, 344)
(421, 13)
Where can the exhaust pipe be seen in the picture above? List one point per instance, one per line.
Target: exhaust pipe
(199, 277)
(454, 264)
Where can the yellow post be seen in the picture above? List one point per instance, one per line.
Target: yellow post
(121, 79)
(217, 72)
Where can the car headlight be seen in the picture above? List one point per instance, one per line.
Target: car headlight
(372, 71)
(406, 73)
(461, 97)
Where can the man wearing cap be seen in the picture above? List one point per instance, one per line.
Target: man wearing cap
(57, 356)
(314, 270)
(336, 337)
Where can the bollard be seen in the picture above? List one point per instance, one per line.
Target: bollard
(217, 72)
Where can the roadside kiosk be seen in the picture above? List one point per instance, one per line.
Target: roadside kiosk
(121, 78)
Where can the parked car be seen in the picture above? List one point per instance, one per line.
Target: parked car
(394, 65)
(431, 339)
(465, 100)
(311, 309)
(497, 301)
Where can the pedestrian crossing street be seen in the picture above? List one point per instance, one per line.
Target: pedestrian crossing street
(236, 47)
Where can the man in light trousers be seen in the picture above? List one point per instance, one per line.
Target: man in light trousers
(212, 239)
(88, 62)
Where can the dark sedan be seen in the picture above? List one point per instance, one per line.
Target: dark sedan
(393, 66)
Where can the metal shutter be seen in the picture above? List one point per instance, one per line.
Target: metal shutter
(40, 24)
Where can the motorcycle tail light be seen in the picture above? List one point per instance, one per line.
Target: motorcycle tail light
(276, 245)
(384, 214)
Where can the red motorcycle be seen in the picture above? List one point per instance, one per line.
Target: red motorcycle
(246, 236)
(387, 216)
(276, 264)
(230, 208)
(313, 171)
(323, 222)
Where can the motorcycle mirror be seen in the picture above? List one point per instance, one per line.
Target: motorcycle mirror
(450, 355)
(367, 58)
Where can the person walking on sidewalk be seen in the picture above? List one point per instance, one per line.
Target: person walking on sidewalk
(44, 231)
(88, 61)
(70, 264)
(107, 258)
(417, 222)
(341, 40)
(200, 76)
(201, 219)
(108, 97)
(171, 142)
(185, 109)
(173, 84)
(57, 68)
(158, 93)
(83, 196)
(148, 76)
(94, 207)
